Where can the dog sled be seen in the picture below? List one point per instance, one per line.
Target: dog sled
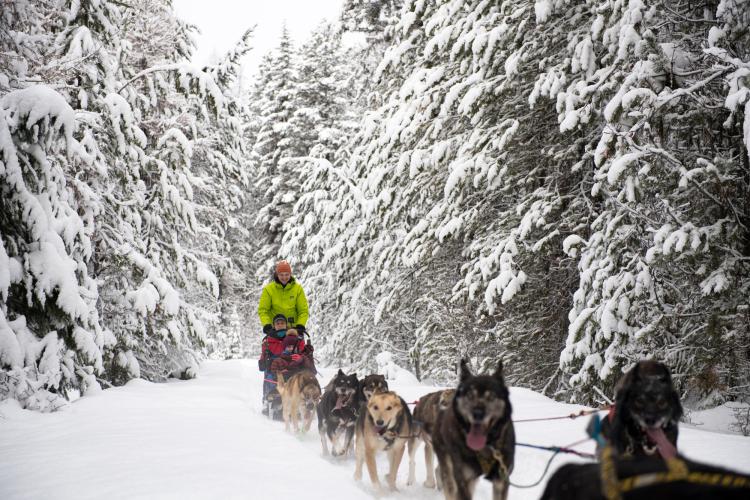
(282, 352)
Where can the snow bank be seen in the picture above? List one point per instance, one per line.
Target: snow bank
(392, 372)
(723, 418)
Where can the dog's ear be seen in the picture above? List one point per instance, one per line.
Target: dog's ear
(676, 405)
(499, 371)
(464, 371)
(622, 390)
(674, 396)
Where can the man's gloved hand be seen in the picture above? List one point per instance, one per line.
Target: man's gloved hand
(301, 330)
(308, 349)
(268, 329)
(296, 357)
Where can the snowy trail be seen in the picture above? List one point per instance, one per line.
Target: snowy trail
(205, 439)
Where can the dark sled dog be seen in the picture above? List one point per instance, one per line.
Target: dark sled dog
(370, 385)
(426, 413)
(475, 436)
(647, 411)
(337, 413)
(384, 424)
(299, 397)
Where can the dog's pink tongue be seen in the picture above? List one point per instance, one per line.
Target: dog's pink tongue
(666, 449)
(339, 402)
(476, 439)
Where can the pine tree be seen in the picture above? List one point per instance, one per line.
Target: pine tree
(660, 268)
(274, 143)
(221, 197)
(51, 337)
(115, 147)
(530, 155)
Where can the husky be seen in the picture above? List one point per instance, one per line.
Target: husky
(299, 397)
(426, 413)
(475, 436)
(646, 414)
(384, 424)
(337, 414)
(370, 385)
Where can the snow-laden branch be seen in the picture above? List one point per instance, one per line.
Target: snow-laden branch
(366, 203)
(148, 71)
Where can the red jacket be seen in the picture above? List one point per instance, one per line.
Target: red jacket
(276, 346)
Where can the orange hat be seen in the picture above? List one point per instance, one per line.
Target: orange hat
(283, 266)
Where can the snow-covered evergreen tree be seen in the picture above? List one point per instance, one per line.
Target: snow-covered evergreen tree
(219, 166)
(108, 139)
(274, 144)
(661, 266)
(536, 157)
(52, 341)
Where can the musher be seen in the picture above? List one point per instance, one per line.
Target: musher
(283, 295)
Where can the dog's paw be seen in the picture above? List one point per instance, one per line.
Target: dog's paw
(430, 483)
(379, 490)
(412, 476)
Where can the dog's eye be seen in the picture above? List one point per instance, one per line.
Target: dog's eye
(375, 408)
(389, 408)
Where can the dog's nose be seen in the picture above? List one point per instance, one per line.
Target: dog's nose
(477, 413)
(379, 422)
(650, 420)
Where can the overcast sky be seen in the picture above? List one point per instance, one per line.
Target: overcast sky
(222, 22)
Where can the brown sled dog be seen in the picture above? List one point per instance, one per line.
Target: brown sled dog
(299, 395)
(384, 424)
(475, 436)
(426, 412)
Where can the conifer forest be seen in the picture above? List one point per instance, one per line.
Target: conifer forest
(563, 185)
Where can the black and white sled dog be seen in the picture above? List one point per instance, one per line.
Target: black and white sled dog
(475, 436)
(370, 385)
(337, 413)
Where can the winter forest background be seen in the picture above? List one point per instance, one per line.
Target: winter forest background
(563, 184)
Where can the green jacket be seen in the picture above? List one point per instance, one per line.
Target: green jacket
(288, 300)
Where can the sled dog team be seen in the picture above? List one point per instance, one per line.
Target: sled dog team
(468, 428)
(470, 431)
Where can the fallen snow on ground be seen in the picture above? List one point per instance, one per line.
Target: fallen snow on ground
(205, 439)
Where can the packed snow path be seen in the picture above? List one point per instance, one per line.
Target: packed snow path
(206, 438)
